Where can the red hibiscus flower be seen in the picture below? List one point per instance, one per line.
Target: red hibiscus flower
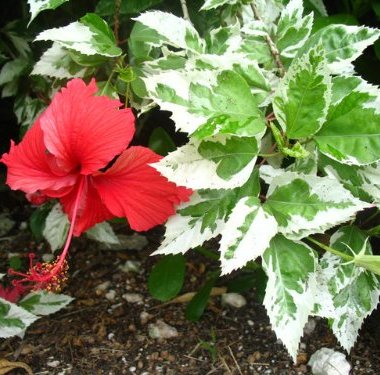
(77, 152)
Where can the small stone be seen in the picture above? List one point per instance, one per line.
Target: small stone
(233, 299)
(133, 297)
(326, 361)
(301, 358)
(6, 224)
(134, 242)
(102, 287)
(110, 336)
(47, 257)
(111, 295)
(310, 327)
(53, 364)
(132, 369)
(254, 357)
(23, 225)
(161, 330)
(131, 266)
(302, 346)
(145, 317)
(140, 364)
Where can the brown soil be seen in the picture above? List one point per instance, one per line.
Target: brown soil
(96, 335)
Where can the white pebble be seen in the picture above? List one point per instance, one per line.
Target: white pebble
(233, 299)
(133, 297)
(145, 317)
(111, 295)
(161, 330)
(53, 364)
(310, 326)
(131, 266)
(326, 361)
(103, 286)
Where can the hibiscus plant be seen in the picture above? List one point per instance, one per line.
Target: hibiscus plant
(282, 153)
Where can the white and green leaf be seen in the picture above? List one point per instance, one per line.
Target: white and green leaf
(44, 303)
(90, 36)
(56, 227)
(303, 96)
(180, 34)
(212, 4)
(56, 62)
(289, 296)
(220, 163)
(246, 235)
(191, 226)
(293, 29)
(37, 6)
(104, 233)
(342, 44)
(14, 320)
(307, 204)
(351, 133)
(346, 294)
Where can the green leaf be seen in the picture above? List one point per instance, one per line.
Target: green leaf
(232, 156)
(346, 294)
(142, 40)
(37, 6)
(219, 163)
(343, 18)
(167, 276)
(342, 44)
(317, 6)
(90, 36)
(44, 303)
(196, 307)
(293, 29)
(306, 204)
(351, 132)
(13, 70)
(303, 96)
(27, 110)
(107, 7)
(161, 142)
(289, 297)
(37, 221)
(13, 319)
(180, 34)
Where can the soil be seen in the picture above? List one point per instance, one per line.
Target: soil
(101, 333)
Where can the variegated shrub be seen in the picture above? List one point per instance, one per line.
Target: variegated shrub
(284, 143)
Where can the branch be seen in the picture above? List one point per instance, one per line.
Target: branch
(273, 49)
(116, 20)
(185, 10)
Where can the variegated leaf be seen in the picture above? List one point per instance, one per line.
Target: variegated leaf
(212, 4)
(289, 296)
(44, 303)
(90, 36)
(307, 204)
(351, 133)
(293, 29)
(190, 227)
(104, 233)
(215, 164)
(56, 227)
(224, 39)
(220, 100)
(56, 62)
(37, 6)
(343, 44)
(346, 294)
(246, 235)
(14, 320)
(180, 34)
(303, 96)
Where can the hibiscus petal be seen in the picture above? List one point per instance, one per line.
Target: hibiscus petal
(83, 131)
(29, 166)
(91, 210)
(133, 189)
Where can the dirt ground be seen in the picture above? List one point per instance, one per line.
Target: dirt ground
(100, 332)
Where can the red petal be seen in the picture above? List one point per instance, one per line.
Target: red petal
(29, 166)
(85, 131)
(133, 189)
(91, 210)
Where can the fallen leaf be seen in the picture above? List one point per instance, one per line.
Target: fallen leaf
(7, 366)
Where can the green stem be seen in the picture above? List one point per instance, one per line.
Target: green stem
(375, 231)
(331, 250)
(107, 83)
(206, 253)
(269, 155)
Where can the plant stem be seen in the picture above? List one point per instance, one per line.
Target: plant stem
(107, 83)
(185, 11)
(116, 20)
(375, 231)
(273, 49)
(331, 250)
(206, 253)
